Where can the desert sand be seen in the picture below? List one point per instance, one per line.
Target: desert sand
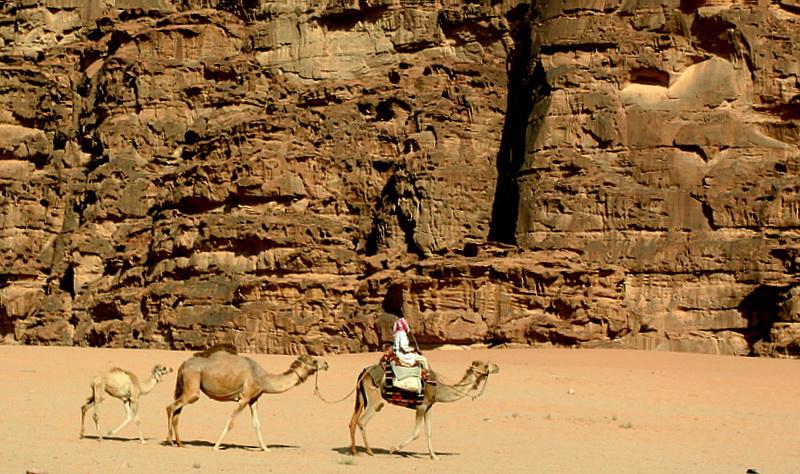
(548, 410)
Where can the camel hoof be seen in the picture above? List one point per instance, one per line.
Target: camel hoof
(393, 450)
(369, 452)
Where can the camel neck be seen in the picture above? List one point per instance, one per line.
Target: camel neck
(148, 385)
(271, 383)
(452, 393)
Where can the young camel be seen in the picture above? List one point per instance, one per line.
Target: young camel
(126, 386)
(369, 401)
(225, 376)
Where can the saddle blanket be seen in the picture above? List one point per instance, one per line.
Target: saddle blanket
(398, 396)
(393, 394)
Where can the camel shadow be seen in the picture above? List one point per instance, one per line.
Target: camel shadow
(345, 451)
(225, 447)
(113, 438)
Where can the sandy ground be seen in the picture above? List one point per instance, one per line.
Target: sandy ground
(548, 410)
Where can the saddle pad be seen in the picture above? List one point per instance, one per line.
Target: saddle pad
(406, 372)
(376, 372)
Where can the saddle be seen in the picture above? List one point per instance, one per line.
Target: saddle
(407, 378)
(398, 379)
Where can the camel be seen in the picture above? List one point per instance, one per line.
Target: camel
(369, 401)
(120, 383)
(223, 375)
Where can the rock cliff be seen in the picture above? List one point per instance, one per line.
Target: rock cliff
(287, 175)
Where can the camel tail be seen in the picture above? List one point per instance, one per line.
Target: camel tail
(98, 387)
(178, 385)
(361, 396)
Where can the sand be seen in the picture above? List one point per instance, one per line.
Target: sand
(548, 410)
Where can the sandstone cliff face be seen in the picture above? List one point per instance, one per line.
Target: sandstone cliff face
(664, 140)
(284, 175)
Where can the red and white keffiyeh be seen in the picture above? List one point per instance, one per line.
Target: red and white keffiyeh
(400, 325)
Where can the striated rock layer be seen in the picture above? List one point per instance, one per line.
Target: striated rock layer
(287, 175)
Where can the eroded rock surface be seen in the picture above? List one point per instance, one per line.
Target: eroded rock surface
(285, 175)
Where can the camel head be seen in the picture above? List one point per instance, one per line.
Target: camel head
(483, 369)
(314, 365)
(160, 371)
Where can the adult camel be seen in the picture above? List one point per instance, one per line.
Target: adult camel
(370, 399)
(223, 375)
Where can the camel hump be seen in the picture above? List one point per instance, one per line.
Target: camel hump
(229, 348)
(116, 372)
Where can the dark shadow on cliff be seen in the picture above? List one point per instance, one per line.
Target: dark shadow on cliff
(760, 308)
(526, 85)
(387, 210)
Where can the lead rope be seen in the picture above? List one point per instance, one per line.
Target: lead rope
(483, 382)
(319, 394)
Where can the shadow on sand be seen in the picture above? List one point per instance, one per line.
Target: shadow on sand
(114, 438)
(225, 446)
(345, 451)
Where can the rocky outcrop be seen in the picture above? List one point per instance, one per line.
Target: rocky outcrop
(286, 175)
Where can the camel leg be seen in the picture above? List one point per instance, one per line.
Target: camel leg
(371, 404)
(369, 411)
(135, 408)
(127, 404)
(185, 395)
(428, 434)
(94, 403)
(257, 425)
(172, 423)
(173, 413)
(84, 409)
(414, 434)
(96, 417)
(359, 408)
(229, 424)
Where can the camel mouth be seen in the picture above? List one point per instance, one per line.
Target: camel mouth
(322, 366)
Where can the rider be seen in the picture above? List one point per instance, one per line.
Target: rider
(404, 352)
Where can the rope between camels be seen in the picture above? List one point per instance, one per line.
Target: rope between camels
(319, 394)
